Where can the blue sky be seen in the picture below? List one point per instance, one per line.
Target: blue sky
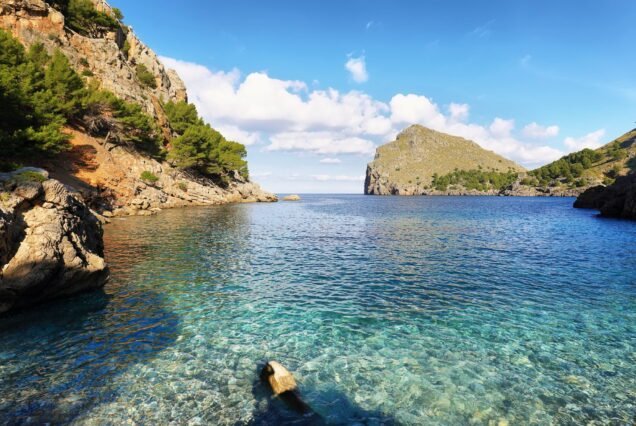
(313, 86)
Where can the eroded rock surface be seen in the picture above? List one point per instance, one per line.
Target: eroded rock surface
(50, 243)
(616, 200)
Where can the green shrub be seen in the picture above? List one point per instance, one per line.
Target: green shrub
(4, 197)
(149, 177)
(83, 62)
(126, 48)
(183, 186)
(145, 76)
(118, 14)
(28, 176)
(87, 73)
(479, 180)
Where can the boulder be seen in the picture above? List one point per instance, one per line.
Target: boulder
(292, 197)
(279, 378)
(616, 200)
(50, 245)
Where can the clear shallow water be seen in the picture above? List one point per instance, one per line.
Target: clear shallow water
(388, 310)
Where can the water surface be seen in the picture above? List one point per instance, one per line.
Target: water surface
(440, 310)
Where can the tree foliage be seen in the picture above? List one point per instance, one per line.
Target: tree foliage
(82, 17)
(37, 97)
(201, 148)
(480, 180)
(567, 169)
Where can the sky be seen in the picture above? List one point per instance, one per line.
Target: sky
(313, 87)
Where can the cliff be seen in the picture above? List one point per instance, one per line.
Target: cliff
(50, 241)
(411, 164)
(106, 169)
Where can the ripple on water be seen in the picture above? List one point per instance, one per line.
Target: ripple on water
(388, 310)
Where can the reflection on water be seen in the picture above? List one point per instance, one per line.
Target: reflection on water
(389, 310)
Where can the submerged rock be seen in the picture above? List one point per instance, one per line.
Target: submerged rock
(279, 378)
(50, 243)
(292, 197)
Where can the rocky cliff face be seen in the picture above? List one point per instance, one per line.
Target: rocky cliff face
(112, 181)
(406, 166)
(32, 21)
(50, 242)
(109, 176)
(616, 200)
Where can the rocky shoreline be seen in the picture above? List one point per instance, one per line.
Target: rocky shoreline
(50, 241)
(617, 200)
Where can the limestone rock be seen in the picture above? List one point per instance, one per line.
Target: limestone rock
(292, 197)
(279, 378)
(50, 245)
(406, 166)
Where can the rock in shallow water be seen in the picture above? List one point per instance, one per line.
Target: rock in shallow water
(292, 197)
(50, 245)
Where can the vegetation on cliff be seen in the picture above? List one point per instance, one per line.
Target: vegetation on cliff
(199, 147)
(82, 17)
(50, 96)
(588, 167)
(478, 180)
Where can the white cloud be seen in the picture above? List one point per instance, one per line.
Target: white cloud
(501, 128)
(458, 112)
(537, 131)
(321, 143)
(370, 24)
(357, 67)
(330, 160)
(591, 140)
(287, 115)
(339, 178)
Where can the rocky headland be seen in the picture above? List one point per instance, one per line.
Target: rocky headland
(616, 200)
(422, 161)
(409, 165)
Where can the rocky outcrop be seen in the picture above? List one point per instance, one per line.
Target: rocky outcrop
(116, 180)
(406, 166)
(110, 176)
(292, 197)
(34, 21)
(50, 242)
(616, 200)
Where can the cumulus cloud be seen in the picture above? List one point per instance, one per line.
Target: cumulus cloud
(458, 112)
(330, 160)
(357, 67)
(537, 131)
(288, 115)
(591, 140)
(320, 143)
(339, 178)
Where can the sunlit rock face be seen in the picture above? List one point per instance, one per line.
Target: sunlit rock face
(50, 242)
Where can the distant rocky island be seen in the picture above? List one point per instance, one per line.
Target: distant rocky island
(422, 161)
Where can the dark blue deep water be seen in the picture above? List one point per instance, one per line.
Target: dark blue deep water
(441, 310)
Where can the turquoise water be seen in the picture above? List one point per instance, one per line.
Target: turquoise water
(437, 310)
